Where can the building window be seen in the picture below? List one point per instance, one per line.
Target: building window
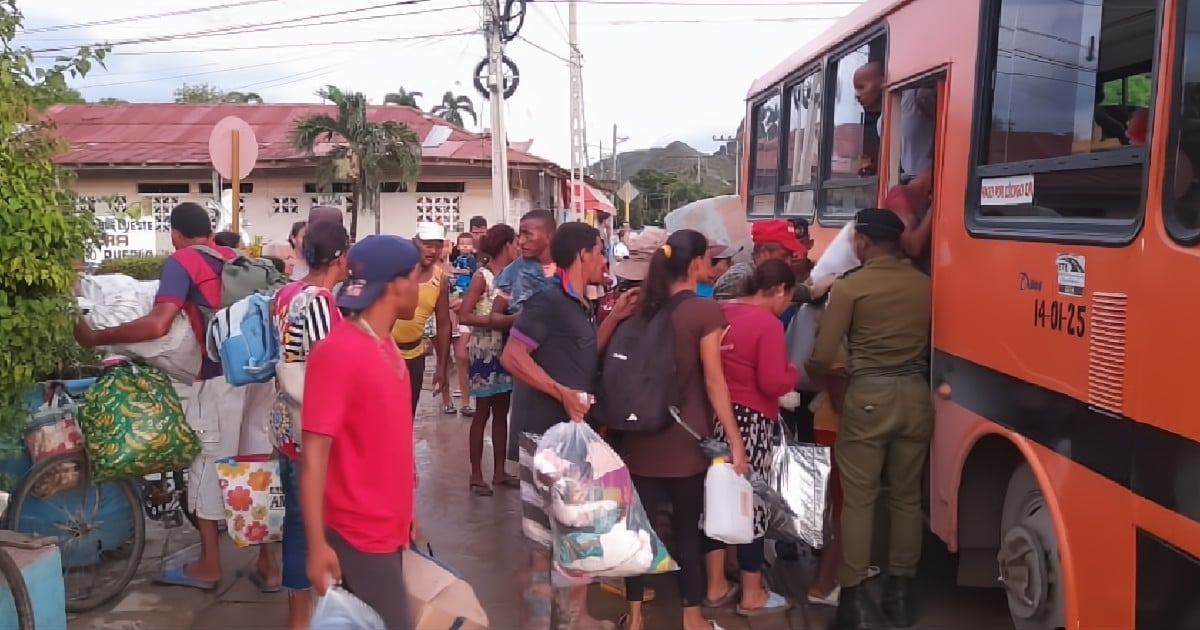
(1056, 144)
(341, 188)
(1182, 189)
(441, 187)
(206, 188)
(393, 187)
(156, 188)
(102, 205)
(345, 202)
(851, 179)
(441, 209)
(162, 205)
(285, 205)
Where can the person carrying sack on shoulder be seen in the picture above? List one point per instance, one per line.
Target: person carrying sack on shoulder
(191, 282)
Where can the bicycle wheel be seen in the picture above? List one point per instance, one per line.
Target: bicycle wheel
(100, 528)
(11, 574)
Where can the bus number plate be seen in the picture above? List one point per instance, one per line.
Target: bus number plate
(1059, 316)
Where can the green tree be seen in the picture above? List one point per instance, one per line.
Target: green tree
(452, 108)
(403, 97)
(199, 93)
(662, 192)
(241, 97)
(59, 94)
(370, 149)
(44, 236)
(108, 100)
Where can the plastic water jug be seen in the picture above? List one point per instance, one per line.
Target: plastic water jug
(728, 505)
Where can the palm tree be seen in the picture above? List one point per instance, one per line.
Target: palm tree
(242, 97)
(453, 107)
(370, 149)
(403, 97)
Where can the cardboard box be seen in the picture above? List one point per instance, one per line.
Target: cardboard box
(439, 598)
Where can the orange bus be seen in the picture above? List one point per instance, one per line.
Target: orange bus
(1065, 148)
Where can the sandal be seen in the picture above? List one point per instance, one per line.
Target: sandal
(449, 410)
(507, 481)
(481, 489)
(730, 595)
(467, 411)
(776, 604)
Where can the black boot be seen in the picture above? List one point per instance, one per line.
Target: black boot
(898, 601)
(857, 611)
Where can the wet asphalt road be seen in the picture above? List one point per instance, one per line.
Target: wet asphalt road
(481, 538)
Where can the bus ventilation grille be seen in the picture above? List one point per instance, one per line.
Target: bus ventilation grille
(1106, 352)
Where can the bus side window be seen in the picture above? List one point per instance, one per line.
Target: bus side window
(1182, 203)
(853, 130)
(1068, 78)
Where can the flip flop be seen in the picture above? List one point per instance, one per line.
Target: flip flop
(481, 489)
(174, 576)
(776, 604)
(449, 410)
(467, 411)
(507, 481)
(735, 589)
(260, 582)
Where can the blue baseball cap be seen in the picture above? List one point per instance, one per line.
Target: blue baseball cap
(373, 263)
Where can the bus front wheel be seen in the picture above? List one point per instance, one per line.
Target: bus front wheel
(1030, 566)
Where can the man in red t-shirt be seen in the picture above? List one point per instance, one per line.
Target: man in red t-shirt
(357, 471)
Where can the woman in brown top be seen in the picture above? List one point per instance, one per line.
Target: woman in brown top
(668, 466)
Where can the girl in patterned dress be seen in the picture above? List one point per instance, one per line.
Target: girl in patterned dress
(754, 360)
(490, 385)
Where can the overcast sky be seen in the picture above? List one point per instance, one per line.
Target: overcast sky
(661, 70)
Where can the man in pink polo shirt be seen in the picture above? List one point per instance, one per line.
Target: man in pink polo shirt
(357, 469)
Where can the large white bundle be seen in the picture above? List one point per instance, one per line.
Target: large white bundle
(718, 218)
(114, 299)
(839, 257)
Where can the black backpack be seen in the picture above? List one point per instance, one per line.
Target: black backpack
(639, 380)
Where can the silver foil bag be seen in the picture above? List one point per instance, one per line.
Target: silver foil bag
(800, 474)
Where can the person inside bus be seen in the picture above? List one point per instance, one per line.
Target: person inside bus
(911, 203)
(868, 91)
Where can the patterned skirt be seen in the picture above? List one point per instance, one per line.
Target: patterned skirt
(488, 377)
(758, 434)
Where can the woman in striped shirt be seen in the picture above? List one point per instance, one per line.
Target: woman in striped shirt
(305, 312)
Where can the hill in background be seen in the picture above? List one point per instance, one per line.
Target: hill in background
(714, 172)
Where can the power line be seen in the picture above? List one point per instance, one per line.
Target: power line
(544, 49)
(352, 42)
(805, 18)
(274, 26)
(151, 16)
(734, 3)
(197, 74)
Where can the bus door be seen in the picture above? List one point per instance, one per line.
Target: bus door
(915, 122)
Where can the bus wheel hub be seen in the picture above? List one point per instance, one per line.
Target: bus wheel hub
(1023, 572)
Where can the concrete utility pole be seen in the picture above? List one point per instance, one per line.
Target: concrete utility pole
(579, 160)
(493, 28)
(616, 166)
(737, 158)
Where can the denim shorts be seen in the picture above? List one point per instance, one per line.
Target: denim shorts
(295, 544)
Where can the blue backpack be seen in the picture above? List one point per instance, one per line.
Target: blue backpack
(244, 339)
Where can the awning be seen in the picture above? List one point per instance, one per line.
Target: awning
(594, 200)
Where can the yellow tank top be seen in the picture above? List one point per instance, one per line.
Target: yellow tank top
(408, 332)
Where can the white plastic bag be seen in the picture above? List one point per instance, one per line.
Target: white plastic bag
(600, 528)
(838, 257)
(800, 339)
(340, 610)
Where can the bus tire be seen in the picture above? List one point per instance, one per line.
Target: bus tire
(1030, 564)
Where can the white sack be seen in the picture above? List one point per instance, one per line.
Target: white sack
(115, 299)
(838, 257)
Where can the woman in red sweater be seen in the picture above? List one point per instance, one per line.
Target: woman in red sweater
(755, 363)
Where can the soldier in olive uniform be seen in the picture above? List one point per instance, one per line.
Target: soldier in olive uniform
(883, 310)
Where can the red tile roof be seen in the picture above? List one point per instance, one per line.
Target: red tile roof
(153, 134)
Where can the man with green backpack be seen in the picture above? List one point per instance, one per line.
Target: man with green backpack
(200, 278)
